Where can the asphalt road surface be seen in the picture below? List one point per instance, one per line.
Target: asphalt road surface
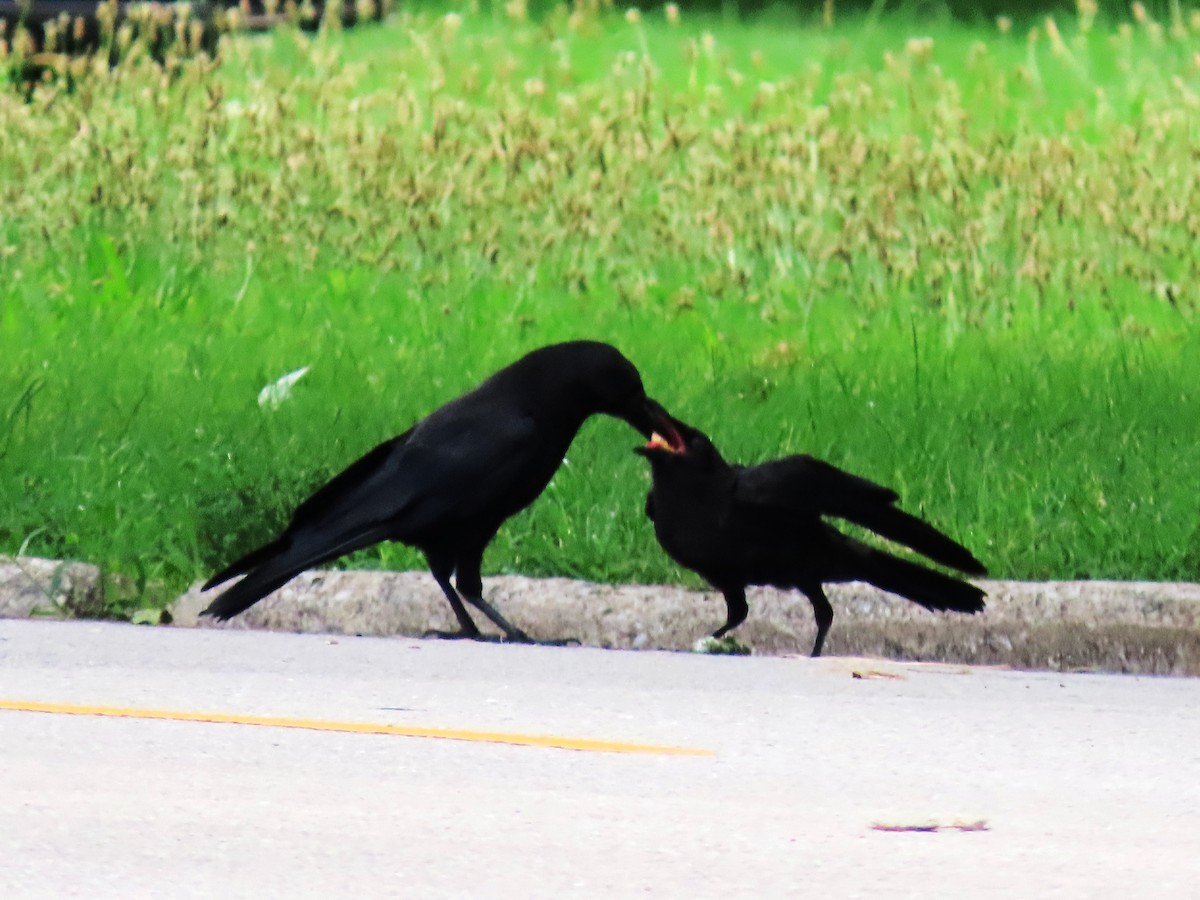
(717, 776)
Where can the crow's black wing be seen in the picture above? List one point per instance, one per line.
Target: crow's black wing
(475, 469)
(322, 507)
(359, 473)
(805, 485)
(805, 482)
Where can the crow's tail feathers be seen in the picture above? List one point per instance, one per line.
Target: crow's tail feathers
(272, 566)
(252, 588)
(251, 560)
(916, 534)
(929, 588)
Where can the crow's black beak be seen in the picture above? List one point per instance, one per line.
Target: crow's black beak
(663, 435)
(648, 417)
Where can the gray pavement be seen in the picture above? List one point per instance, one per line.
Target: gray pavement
(1088, 784)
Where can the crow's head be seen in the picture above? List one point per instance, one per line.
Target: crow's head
(601, 379)
(568, 382)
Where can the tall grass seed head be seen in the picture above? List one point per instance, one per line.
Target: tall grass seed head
(1055, 37)
(568, 104)
(1086, 11)
(451, 23)
(919, 49)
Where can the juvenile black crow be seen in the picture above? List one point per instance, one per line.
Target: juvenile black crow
(743, 525)
(447, 484)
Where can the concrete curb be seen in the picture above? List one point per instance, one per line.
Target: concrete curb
(1132, 627)
(46, 587)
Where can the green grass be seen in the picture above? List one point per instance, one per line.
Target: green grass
(953, 260)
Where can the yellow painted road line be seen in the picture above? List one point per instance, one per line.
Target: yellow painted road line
(448, 734)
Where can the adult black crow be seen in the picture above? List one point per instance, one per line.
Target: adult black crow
(447, 484)
(743, 525)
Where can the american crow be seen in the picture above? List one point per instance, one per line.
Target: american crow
(744, 525)
(447, 484)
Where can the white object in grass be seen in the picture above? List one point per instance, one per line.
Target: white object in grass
(280, 389)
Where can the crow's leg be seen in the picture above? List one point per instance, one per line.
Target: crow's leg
(735, 610)
(470, 586)
(467, 627)
(823, 613)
